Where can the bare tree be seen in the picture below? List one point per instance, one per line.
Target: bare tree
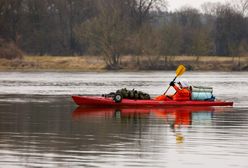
(241, 6)
(106, 33)
(10, 13)
(230, 31)
(140, 9)
(210, 8)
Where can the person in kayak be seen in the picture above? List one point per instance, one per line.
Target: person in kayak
(182, 92)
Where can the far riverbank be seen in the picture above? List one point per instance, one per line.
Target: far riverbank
(127, 63)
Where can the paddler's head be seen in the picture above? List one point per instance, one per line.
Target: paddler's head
(183, 83)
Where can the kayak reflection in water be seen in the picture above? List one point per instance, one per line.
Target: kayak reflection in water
(182, 92)
(177, 118)
(174, 116)
(183, 117)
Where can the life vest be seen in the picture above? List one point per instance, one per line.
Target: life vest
(181, 94)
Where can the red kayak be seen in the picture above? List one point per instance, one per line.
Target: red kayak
(106, 101)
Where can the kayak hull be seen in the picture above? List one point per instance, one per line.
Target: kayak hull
(105, 101)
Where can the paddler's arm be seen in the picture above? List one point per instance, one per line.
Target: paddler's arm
(174, 86)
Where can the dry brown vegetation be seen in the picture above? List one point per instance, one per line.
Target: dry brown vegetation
(9, 50)
(54, 63)
(128, 63)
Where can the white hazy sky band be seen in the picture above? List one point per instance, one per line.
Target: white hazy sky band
(177, 4)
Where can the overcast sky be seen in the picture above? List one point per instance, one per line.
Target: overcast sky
(177, 4)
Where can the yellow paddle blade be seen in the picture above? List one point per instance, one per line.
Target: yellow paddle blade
(180, 70)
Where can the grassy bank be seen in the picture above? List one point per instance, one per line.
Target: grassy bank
(128, 63)
(53, 63)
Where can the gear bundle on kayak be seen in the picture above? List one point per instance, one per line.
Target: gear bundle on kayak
(127, 94)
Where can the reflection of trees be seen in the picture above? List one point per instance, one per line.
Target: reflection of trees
(49, 128)
(231, 117)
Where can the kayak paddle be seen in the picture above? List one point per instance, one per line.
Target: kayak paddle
(180, 70)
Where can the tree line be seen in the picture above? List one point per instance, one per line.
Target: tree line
(112, 28)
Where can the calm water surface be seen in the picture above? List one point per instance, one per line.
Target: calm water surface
(40, 126)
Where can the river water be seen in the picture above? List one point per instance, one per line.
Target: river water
(40, 126)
